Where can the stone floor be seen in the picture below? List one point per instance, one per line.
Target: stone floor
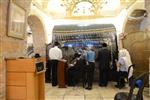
(79, 93)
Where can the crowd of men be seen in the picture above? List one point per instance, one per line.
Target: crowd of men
(80, 65)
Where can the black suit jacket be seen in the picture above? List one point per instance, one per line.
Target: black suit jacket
(104, 58)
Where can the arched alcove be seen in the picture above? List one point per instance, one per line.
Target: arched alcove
(38, 34)
(136, 39)
(138, 45)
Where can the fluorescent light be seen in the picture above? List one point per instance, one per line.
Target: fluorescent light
(83, 24)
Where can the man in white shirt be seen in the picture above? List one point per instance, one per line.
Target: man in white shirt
(55, 55)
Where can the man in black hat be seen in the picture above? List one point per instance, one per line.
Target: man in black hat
(55, 55)
(104, 58)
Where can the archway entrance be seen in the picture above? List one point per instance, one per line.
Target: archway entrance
(38, 35)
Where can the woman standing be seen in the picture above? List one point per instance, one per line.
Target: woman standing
(122, 67)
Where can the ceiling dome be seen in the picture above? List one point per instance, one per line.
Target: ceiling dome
(56, 8)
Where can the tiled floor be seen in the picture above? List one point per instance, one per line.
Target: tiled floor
(79, 93)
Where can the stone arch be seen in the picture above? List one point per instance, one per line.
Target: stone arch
(137, 44)
(38, 32)
(130, 9)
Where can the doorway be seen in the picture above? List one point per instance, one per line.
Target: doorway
(38, 34)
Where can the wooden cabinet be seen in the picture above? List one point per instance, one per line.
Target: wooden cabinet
(22, 81)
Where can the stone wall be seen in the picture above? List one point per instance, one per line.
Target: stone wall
(132, 26)
(147, 3)
(137, 41)
(10, 47)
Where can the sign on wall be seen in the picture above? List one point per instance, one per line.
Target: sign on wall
(16, 21)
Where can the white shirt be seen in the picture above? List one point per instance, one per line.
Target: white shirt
(47, 51)
(55, 53)
(130, 72)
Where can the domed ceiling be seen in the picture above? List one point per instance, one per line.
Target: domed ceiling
(82, 8)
